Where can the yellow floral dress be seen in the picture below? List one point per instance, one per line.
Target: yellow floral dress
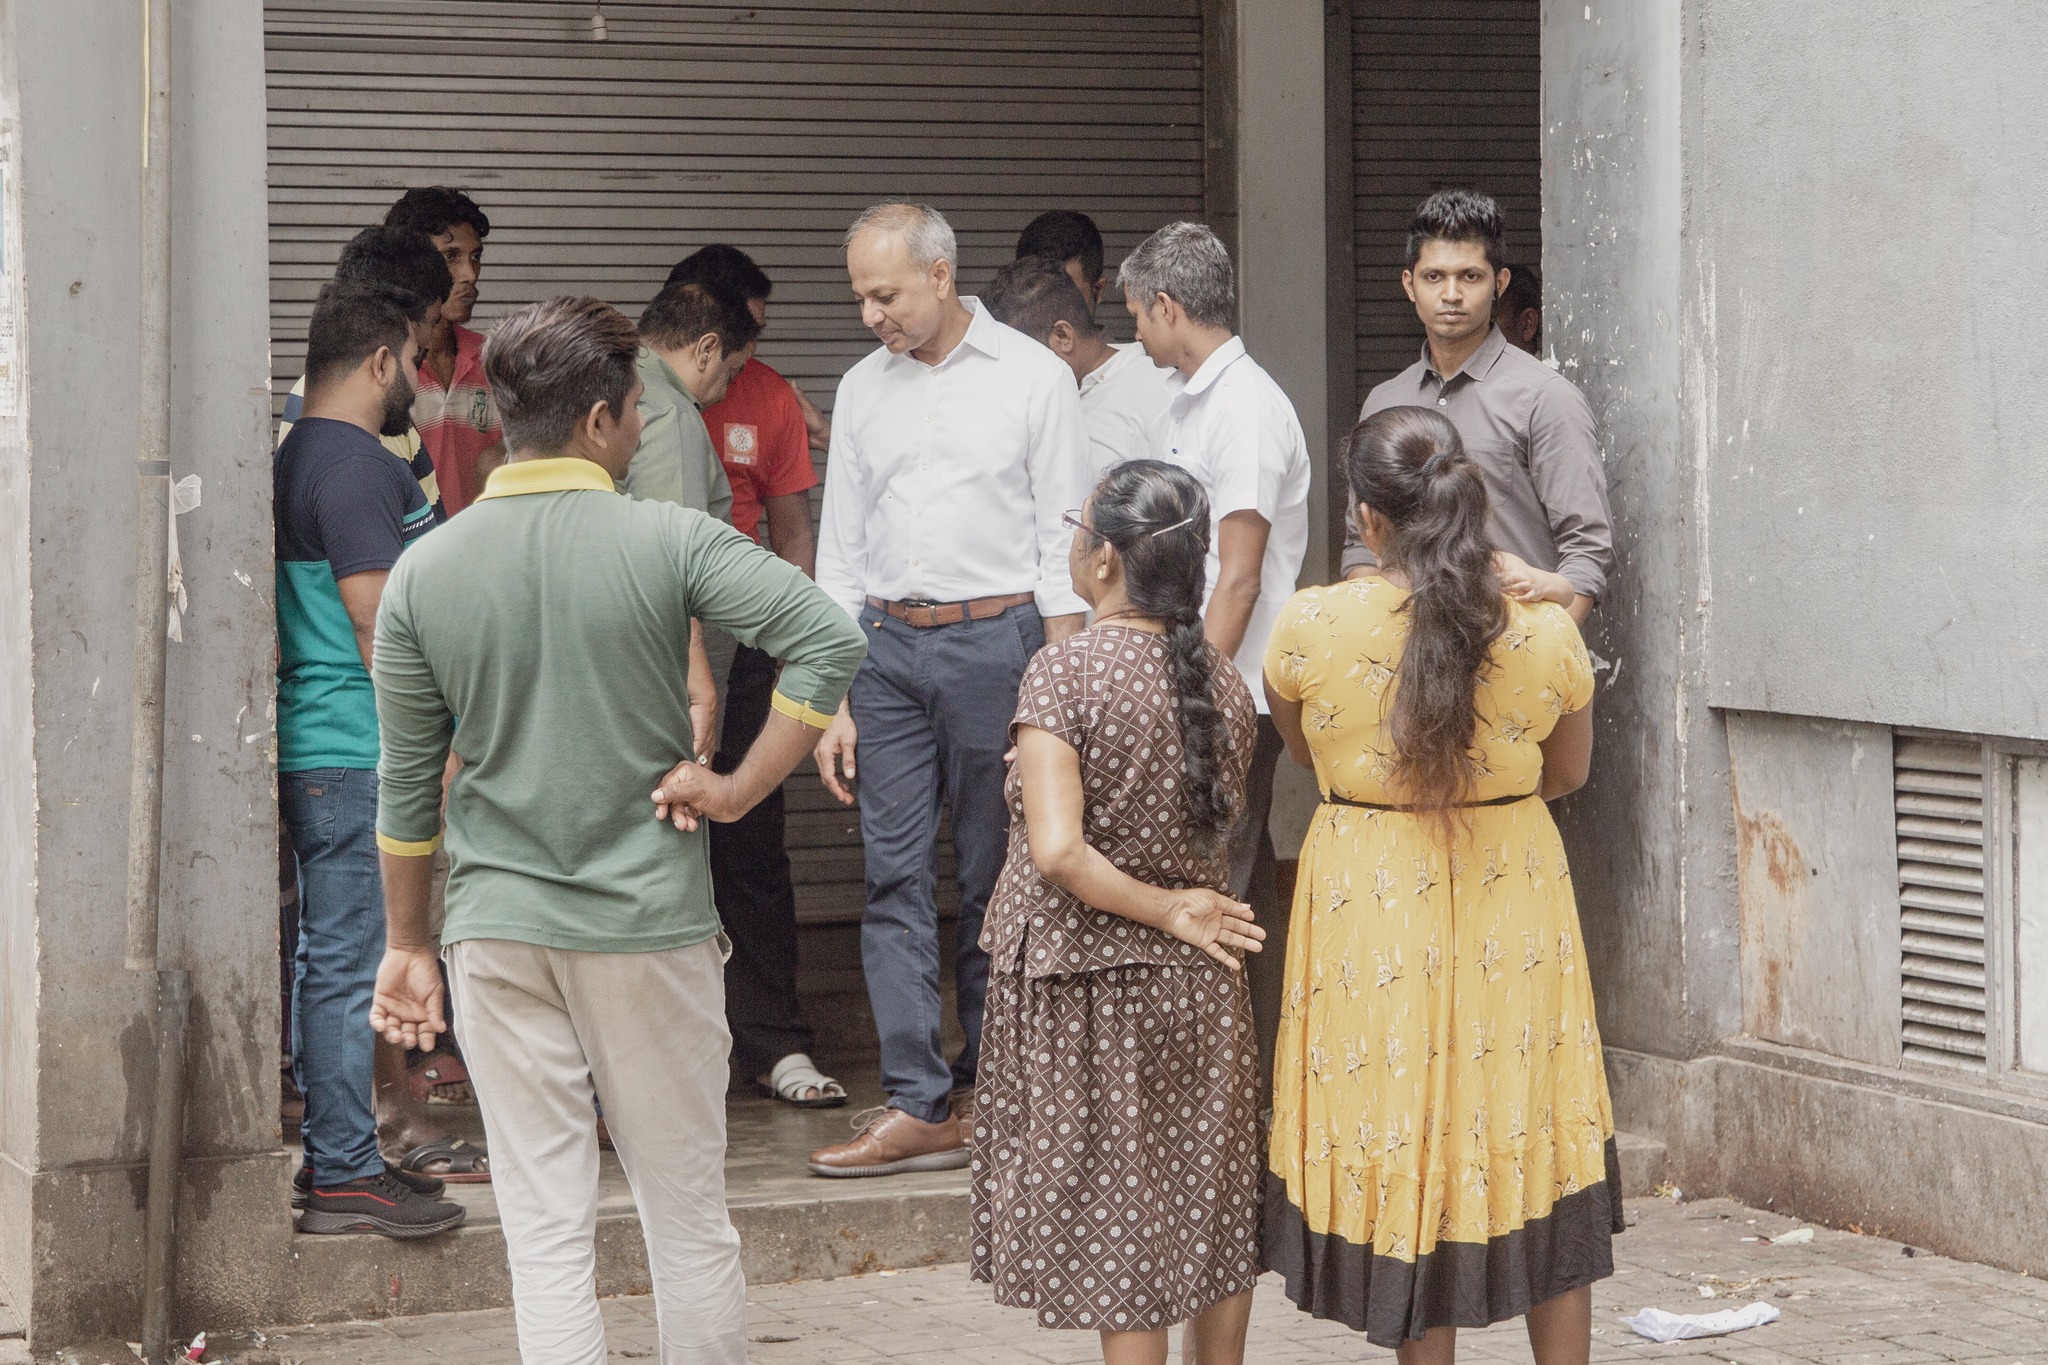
(1442, 1148)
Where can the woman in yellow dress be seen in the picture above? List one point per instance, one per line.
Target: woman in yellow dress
(1442, 1148)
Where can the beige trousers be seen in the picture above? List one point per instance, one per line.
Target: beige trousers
(544, 1028)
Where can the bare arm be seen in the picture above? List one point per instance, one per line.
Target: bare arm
(1053, 808)
(406, 1008)
(1287, 720)
(1241, 548)
(816, 424)
(1058, 628)
(692, 791)
(702, 688)
(360, 594)
(1567, 753)
(789, 531)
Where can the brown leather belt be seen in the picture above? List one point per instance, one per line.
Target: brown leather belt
(925, 615)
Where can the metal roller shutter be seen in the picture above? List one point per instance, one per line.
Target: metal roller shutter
(601, 163)
(1445, 93)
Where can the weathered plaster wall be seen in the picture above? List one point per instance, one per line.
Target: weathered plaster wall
(17, 762)
(1818, 884)
(1868, 188)
(1282, 270)
(1649, 836)
(92, 1084)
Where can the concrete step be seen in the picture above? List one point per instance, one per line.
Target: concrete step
(1642, 1164)
(792, 1225)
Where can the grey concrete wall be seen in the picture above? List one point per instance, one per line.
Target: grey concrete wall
(1282, 273)
(17, 763)
(1818, 880)
(1650, 836)
(1868, 187)
(92, 1025)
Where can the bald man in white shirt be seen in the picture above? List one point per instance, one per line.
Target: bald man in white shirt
(1124, 396)
(956, 448)
(1232, 427)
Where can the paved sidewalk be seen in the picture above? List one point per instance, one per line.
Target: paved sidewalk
(1846, 1300)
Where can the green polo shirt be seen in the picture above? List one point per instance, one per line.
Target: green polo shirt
(553, 617)
(675, 462)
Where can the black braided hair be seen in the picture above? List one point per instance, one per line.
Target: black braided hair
(1408, 465)
(1165, 572)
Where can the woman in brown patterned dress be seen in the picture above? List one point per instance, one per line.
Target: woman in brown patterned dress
(1117, 1145)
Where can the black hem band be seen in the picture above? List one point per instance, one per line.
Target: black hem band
(1457, 1284)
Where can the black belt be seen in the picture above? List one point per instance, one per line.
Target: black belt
(1423, 810)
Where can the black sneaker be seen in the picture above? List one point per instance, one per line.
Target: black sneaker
(428, 1185)
(380, 1203)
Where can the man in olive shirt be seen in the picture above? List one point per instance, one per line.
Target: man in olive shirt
(1527, 428)
(583, 948)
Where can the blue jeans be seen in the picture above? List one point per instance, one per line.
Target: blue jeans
(331, 815)
(933, 710)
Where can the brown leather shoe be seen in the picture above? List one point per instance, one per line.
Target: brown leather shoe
(891, 1142)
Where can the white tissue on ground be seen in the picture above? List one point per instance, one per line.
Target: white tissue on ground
(1658, 1325)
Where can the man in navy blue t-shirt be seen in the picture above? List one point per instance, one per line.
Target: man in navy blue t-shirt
(344, 511)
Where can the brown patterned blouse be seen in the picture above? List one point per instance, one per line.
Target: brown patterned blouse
(1108, 691)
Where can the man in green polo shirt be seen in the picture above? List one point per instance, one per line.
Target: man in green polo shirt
(583, 949)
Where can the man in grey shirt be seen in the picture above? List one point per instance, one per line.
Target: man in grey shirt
(1529, 430)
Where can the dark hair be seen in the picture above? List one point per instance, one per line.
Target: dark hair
(399, 258)
(1525, 290)
(436, 208)
(551, 362)
(1064, 235)
(1458, 216)
(1408, 465)
(681, 313)
(723, 266)
(1032, 293)
(351, 320)
(1157, 517)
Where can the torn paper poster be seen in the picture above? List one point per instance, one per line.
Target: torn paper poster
(1658, 1325)
(184, 497)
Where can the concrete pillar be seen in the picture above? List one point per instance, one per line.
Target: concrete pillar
(1650, 837)
(76, 1048)
(1288, 257)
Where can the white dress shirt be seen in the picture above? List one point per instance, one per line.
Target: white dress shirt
(1232, 427)
(1123, 401)
(946, 482)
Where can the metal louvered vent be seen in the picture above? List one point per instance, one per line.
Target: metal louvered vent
(1938, 796)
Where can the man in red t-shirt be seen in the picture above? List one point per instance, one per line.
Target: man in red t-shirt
(760, 432)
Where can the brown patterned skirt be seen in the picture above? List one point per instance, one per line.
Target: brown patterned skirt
(1118, 1152)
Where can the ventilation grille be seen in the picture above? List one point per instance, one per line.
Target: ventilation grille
(1938, 796)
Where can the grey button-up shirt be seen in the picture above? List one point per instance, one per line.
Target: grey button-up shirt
(1531, 433)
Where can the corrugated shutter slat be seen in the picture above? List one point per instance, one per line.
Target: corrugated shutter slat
(769, 126)
(1444, 93)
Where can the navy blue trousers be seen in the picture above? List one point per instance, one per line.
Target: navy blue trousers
(933, 710)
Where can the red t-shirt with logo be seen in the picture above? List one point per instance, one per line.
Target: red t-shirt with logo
(758, 431)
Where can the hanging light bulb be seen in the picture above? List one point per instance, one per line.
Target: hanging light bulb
(597, 29)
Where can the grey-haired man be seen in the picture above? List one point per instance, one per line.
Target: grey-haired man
(956, 448)
(1234, 429)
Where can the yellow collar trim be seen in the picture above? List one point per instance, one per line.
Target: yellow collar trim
(560, 475)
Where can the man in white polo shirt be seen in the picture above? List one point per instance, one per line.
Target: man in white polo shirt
(1124, 396)
(956, 449)
(1232, 427)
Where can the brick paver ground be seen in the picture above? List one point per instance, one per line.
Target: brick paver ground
(1846, 1300)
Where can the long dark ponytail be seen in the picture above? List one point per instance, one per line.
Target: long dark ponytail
(1157, 517)
(1408, 465)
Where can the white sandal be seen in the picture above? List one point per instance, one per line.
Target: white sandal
(795, 1074)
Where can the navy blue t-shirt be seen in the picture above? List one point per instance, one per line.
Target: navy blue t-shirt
(342, 506)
